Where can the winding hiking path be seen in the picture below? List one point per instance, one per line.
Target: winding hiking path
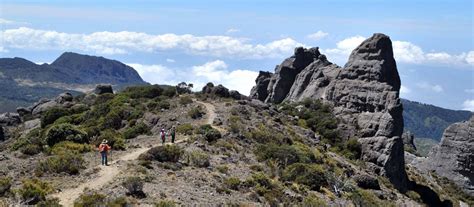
(108, 173)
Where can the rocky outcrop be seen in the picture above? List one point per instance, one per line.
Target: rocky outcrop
(221, 91)
(62, 100)
(453, 158)
(364, 94)
(9, 119)
(409, 140)
(2, 134)
(259, 91)
(101, 89)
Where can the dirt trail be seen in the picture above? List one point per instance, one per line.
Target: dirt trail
(211, 110)
(108, 173)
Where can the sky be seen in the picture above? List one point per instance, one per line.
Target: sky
(228, 42)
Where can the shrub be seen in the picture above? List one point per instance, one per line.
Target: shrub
(151, 91)
(33, 137)
(134, 185)
(198, 158)
(164, 104)
(90, 199)
(285, 154)
(70, 147)
(5, 185)
(314, 201)
(362, 197)
(67, 162)
(34, 190)
(167, 153)
(232, 183)
(196, 112)
(186, 129)
(31, 149)
(165, 203)
(222, 169)
(185, 100)
(112, 120)
(65, 132)
(116, 141)
(138, 129)
(263, 134)
(51, 115)
(170, 91)
(414, 196)
(352, 149)
(311, 175)
(49, 202)
(209, 133)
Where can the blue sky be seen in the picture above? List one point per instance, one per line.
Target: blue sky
(229, 41)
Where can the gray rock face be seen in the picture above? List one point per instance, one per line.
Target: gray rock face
(453, 158)
(408, 140)
(101, 89)
(221, 91)
(259, 91)
(9, 119)
(2, 134)
(364, 94)
(367, 182)
(64, 97)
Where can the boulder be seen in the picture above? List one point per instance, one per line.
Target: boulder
(183, 88)
(9, 119)
(208, 88)
(64, 97)
(259, 91)
(453, 158)
(409, 140)
(221, 91)
(235, 95)
(367, 182)
(364, 95)
(41, 108)
(22, 111)
(101, 89)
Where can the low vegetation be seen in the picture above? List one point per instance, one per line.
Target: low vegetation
(167, 153)
(209, 133)
(34, 191)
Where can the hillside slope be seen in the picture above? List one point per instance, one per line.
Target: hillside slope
(428, 121)
(24, 82)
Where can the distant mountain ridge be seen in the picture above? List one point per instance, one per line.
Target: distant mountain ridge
(429, 121)
(24, 82)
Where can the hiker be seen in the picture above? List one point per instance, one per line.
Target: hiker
(163, 136)
(173, 133)
(104, 148)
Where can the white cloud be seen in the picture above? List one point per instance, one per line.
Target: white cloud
(10, 22)
(170, 60)
(432, 87)
(469, 90)
(318, 35)
(468, 105)
(404, 90)
(232, 30)
(128, 42)
(213, 71)
(404, 52)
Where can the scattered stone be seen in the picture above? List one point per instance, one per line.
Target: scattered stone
(101, 89)
(9, 119)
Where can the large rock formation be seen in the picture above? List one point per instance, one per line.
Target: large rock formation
(364, 93)
(453, 158)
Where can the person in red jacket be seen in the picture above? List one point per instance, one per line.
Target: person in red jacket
(104, 148)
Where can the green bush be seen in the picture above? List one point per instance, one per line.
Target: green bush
(164, 104)
(185, 100)
(151, 91)
(196, 112)
(263, 134)
(90, 199)
(209, 133)
(65, 132)
(5, 185)
(116, 141)
(66, 162)
(33, 137)
(49, 202)
(311, 175)
(167, 153)
(198, 158)
(352, 149)
(186, 129)
(34, 188)
(285, 154)
(31, 149)
(70, 147)
(52, 115)
(138, 129)
(134, 185)
(170, 91)
(362, 197)
(165, 203)
(232, 183)
(313, 201)
(112, 120)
